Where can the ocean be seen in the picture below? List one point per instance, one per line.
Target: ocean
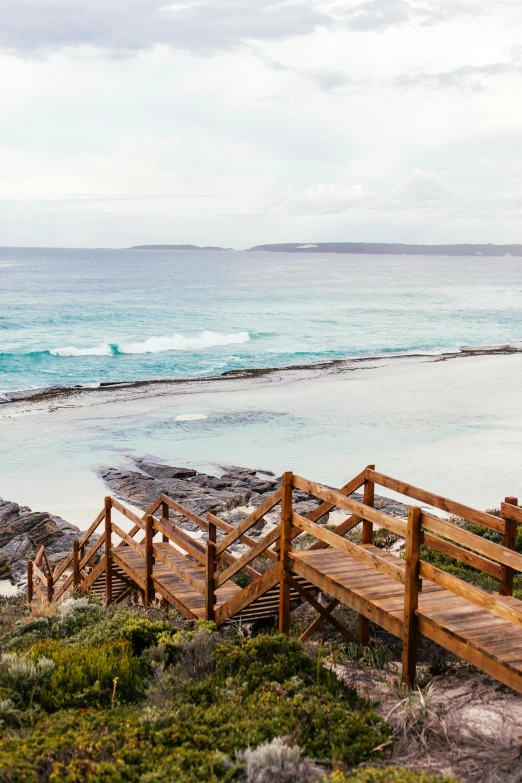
(84, 317)
(88, 317)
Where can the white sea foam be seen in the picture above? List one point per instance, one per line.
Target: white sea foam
(175, 342)
(98, 350)
(178, 342)
(191, 416)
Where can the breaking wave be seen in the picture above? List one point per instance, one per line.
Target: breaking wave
(175, 342)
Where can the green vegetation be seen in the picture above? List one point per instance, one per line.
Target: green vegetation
(113, 696)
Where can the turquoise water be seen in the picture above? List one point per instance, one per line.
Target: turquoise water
(72, 317)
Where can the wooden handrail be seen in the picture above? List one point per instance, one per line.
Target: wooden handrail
(355, 550)
(92, 551)
(127, 513)
(510, 511)
(489, 549)
(437, 501)
(250, 520)
(38, 574)
(248, 556)
(348, 504)
(83, 540)
(178, 536)
(128, 539)
(160, 554)
(473, 594)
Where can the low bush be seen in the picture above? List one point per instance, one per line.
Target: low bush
(88, 676)
(388, 775)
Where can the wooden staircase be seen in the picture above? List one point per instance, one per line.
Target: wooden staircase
(156, 560)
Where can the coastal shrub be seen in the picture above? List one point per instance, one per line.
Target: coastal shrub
(90, 676)
(264, 658)
(278, 762)
(23, 676)
(388, 775)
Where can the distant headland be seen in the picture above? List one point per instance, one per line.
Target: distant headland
(361, 248)
(393, 248)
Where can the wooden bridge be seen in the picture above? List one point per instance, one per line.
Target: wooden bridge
(299, 558)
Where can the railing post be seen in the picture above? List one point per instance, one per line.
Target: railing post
(149, 559)
(411, 596)
(76, 565)
(210, 572)
(30, 581)
(108, 550)
(367, 538)
(50, 589)
(509, 540)
(165, 513)
(285, 547)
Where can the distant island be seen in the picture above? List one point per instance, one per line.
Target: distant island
(394, 248)
(361, 248)
(177, 247)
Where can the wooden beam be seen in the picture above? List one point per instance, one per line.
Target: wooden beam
(509, 540)
(249, 594)
(437, 501)
(108, 552)
(149, 559)
(30, 581)
(285, 548)
(210, 579)
(366, 538)
(411, 597)
(242, 561)
(324, 613)
(250, 520)
(76, 565)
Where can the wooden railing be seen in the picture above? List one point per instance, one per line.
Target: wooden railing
(81, 569)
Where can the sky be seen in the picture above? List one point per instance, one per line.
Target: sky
(240, 122)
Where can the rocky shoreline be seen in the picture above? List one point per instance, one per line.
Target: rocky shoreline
(232, 492)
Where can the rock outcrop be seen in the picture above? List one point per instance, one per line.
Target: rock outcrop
(21, 533)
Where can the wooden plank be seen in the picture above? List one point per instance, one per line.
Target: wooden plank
(121, 561)
(250, 520)
(39, 574)
(258, 549)
(437, 501)
(249, 594)
(244, 538)
(473, 594)
(93, 576)
(347, 597)
(478, 544)
(354, 550)
(348, 504)
(180, 572)
(29, 581)
(151, 509)
(502, 672)
(108, 548)
(76, 574)
(174, 601)
(61, 588)
(411, 597)
(92, 551)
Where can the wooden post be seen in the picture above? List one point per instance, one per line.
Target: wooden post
(76, 565)
(165, 513)
(30, 581)
(108, 550)
(411, 595)
(149, 559)
(367, 538)
(509, 540)
(285, 547)
(210, 573)
(50, 589)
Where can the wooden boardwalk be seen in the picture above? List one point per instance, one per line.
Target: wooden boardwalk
(158, 561)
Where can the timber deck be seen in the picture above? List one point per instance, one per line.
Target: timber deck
(158, 561)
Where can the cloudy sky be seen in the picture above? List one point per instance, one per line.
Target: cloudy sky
(237, 122)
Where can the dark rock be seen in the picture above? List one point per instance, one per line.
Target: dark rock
(164, 471)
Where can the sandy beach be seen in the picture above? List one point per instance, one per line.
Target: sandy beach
(453, 426)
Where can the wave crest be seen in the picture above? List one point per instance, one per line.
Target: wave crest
(175, 342)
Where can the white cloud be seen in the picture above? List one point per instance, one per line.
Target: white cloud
(332, 199)
(420, 188)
